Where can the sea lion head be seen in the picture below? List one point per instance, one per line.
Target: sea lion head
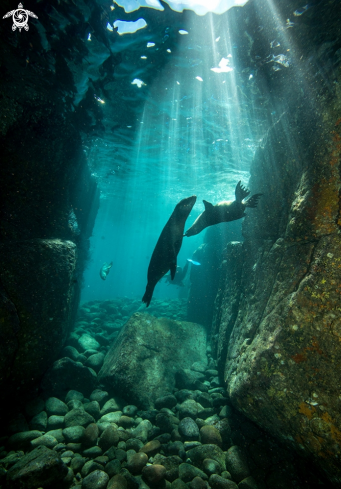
(185, 206)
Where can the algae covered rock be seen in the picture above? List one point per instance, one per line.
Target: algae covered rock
(38, 468)
(142, 362)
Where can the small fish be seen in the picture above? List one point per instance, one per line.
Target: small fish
(300, 11)
(193, 262)
(105, 270)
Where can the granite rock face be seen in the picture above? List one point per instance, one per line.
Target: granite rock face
(277, 319)
(141, 365)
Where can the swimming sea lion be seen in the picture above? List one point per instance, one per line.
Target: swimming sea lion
(180, 274)
(225, 211)
(168, 246)
(105, 270)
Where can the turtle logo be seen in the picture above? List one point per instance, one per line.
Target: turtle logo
(20, 18)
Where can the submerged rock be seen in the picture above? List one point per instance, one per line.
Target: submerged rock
(66, 374)
(142, 362)
(38, 468)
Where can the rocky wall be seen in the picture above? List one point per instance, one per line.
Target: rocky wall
(277, 320)
(48, 203)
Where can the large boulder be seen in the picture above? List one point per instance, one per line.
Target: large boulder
(39, 468)
(142, 363)
(38, 276)
(277, 323)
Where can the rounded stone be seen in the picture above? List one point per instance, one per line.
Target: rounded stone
(117, 482)
(87, 342)
(39, 421)
(187, 472)
(217, 482)
(110, 406)
(211, 466)
(77, 463)
(247, 483)
(100, 396)
(90, 435)
(73, 434)
(197, 483)
(188, 429)
(113, 467)
(45, 440)
(168, 401)
(89, 467)
(132, 444)
(96, 480)
(92, 452)
(136, 462)
(78, 417)
(74, 395)
(71, 352)
(130, 410)
(55, 422)
(154, 474)
(236, 463)
(126, 422)
(55, 406)
(178, 484)
(93, 409)
(95, 361)
(190, 408)
(151, 448)
(110, 437)
(210, 435)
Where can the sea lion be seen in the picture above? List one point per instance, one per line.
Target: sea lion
(105, 270)
(168, 246)
(224, 211)
(180, 274)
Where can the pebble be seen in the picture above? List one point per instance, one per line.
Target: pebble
(93, 408)
(89, 467)
(247, 483)
(71, 352)
(142, 430)
(179, 484)
(73, 395)
(210, 435)
(57, 434)
(23, 439)
(132, 443)
(190, 408)
(236, 463)
(96, 480)
(90, 435)
(77, 463)
(136, 462)
(100, 396)
(117, 482)
(45, 440)
(75, 404)
(151, 448)
(187, 472)
(111, 417)
(78, 417)
(95, 361)
(198, 455)
(87, 342)
(92, 452)
(153, 474)
(217, 482)
(113, 467)
(111, 406)
(108, 438)
(197, 483)
(126, 422)
(188, 429)
(39, 421)
(169, 401)
(55, 406)
(211, 466)
(73, 434)
(130, 410)
(55, 422)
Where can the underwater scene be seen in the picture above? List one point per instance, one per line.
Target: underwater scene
(170, 244)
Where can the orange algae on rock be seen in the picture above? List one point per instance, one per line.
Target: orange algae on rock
(307, 410)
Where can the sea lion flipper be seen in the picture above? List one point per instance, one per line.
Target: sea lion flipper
(208, 205)
(253, 201)
(241, 192)
(173, 270)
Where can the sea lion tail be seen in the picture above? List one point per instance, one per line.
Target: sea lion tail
(148, 295)
(252, 201)
(241, 192)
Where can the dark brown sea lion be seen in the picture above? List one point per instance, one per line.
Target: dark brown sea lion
(225, 211)
(168, 246)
